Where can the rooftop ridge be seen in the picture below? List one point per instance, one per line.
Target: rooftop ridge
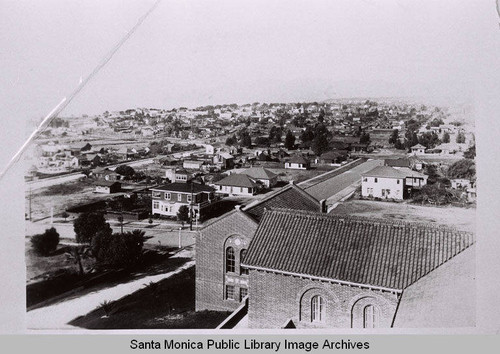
(369, 220)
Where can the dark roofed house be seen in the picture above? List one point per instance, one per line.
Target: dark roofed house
(237, 184)
(298, 162)
(221, 284)
(107, 187)
(168, 198)
(324, 271)
(400, 162)
(263, 175)
(333, 157)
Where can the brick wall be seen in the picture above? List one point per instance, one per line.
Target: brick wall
(235, 229)
(276, 298)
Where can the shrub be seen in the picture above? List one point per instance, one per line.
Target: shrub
(46, 243)
(118, 250)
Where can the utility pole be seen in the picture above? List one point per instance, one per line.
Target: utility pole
(180, 245)
(191, 210)
(30, 204)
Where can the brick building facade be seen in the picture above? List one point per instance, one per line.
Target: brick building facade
(221, 283)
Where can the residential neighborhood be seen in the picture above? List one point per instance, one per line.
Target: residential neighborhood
(267, 215)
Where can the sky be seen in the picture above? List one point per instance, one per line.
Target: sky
(192, 52)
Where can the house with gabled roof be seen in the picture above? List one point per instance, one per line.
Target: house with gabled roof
(298, 162)
(237, 184)
(418, 149)
(263, 175)
(312, 270)
(221, 283)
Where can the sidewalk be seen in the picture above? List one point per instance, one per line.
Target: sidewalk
(58, 315)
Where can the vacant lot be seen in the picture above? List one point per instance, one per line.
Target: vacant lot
(461, 218)
(168, 304)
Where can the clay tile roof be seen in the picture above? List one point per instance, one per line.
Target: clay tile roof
(289, 197)
(363, 251)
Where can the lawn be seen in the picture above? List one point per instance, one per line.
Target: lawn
(168, 304)
(460, 218)
(53, 278)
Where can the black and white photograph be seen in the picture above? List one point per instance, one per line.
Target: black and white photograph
(246, 165)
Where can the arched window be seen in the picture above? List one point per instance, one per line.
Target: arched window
(243, 252)
(317, 309)
(370, 316)
(230, 260)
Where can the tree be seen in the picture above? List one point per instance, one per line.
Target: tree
(460, 138)
(429, 140)
(125, 170)
(470, 153)
(245, 139)
(289, 140)
(446, 137)
(394, 137)
(320, 144)
(275, 134)
(88, 224)
(65, 215)
(231, 140)
(364, 138)
(307, 136)
(46, 243)
(464, 168)
(118, 250)
(183, 213)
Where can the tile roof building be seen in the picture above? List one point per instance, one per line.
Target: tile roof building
(263, 175)
(221, 283)
(321, 270)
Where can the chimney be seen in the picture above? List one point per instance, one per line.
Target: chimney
(237, 207)
(292, 182)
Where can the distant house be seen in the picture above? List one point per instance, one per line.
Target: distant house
(237, 184)
(209, 149)
(106, 174)
(178, 175)
(298, 162)
(361, 147)
(107, 187)
(460, 183)
(167, 199)
(266, 177)
(400, 162)
(418, 149)
(77, 149)
(193, 164)
(226, 160)
(333, 157)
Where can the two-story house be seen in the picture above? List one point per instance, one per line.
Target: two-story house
(167, 199)
(383, 182)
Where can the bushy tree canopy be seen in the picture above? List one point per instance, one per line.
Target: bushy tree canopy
(46, 243)
(117, 250)
(464, 168)
(125, 170)
(87, 225)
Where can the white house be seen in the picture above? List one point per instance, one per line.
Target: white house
(298, 162)
(418, 149)
(192, 164)
(266, 177)
(237, 184)
(383, 182)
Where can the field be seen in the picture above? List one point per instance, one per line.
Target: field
(460, 218)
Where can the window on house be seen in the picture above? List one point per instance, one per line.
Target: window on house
(189, 198)
(243, 293)
(243, 271)
(230, 260)
(167, 196)
(370, 316)
(365, 179)
(370, 191)
(376, 180)
(317, 309)
(156, 194)
(179, 197)
(229, 292)
(398, 181)
(156, 205)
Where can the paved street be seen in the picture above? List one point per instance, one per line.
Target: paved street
(159, 235)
